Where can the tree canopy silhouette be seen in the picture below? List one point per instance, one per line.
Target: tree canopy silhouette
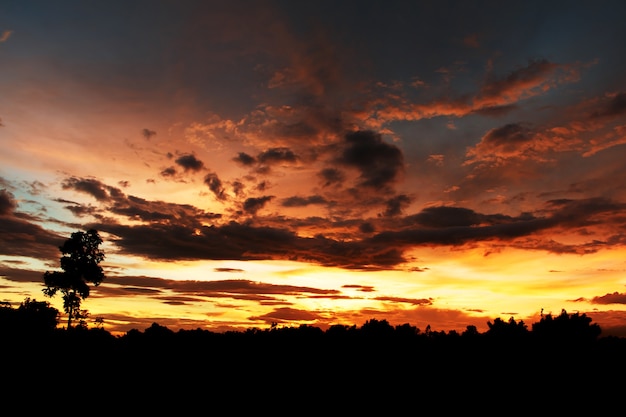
(566, 327)
(31, 316)
(80, 264)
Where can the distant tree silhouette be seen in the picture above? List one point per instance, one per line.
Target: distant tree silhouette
(31, 317)
(157, 331)
(406, 331)
(507, 330)
(470, 331)
(377, 328)
(38, 315)
(566, 327)
(80, 264)
(341, 330)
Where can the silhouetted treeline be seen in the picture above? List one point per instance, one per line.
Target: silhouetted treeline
(37, 321)
(386, 366)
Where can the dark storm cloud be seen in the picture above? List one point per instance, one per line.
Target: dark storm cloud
(330, 176)
(169, 172)
(443, 216)
(378, 162)
(396, 204)
(80, 210)
(297, 201)
(367, 227)
(254, 204)
(457, 225)
(215, 185)
(137, 208)
(90, 186)
(20, 274)
(93, 187)
(616, 106)
(7, 202)
(132, 207)
(19, 236)
(238, 187)
(509, 136)
(264, 161)
(584, 212)
(385, 250)
(189, 162)
(228, 270)
(244, 159)
(277, 155)
(217, 288)
(287, 314)
(614, 298)
(176, 231)
(232, 241)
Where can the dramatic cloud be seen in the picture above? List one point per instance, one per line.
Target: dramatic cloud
(244, 159)
(535, 78)
(20, 236)
(253, 204)
(411, 156)
(437, 225)
(614, 298)
(297, 201)
(378, 162)
(89, 186)
(277, 155)
(505, 141)
(496, 96)
(286, 315)
(7, 202)
(169, 172)
(189, 162)
(616, 106)
(132, 207)
(215, 185)
(235, 288)
(396, 204)
(330, 176)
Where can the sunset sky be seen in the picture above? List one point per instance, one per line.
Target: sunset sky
(439, 163)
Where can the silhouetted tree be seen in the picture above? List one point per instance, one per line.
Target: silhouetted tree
(80, 264)
(566, 327)
(157, 331)
(507, 331)
(470, 331)
(406, 330)
(31, 317)
(38, 315)
(377, 328)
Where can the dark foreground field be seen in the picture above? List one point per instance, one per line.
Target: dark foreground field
(375, 369)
